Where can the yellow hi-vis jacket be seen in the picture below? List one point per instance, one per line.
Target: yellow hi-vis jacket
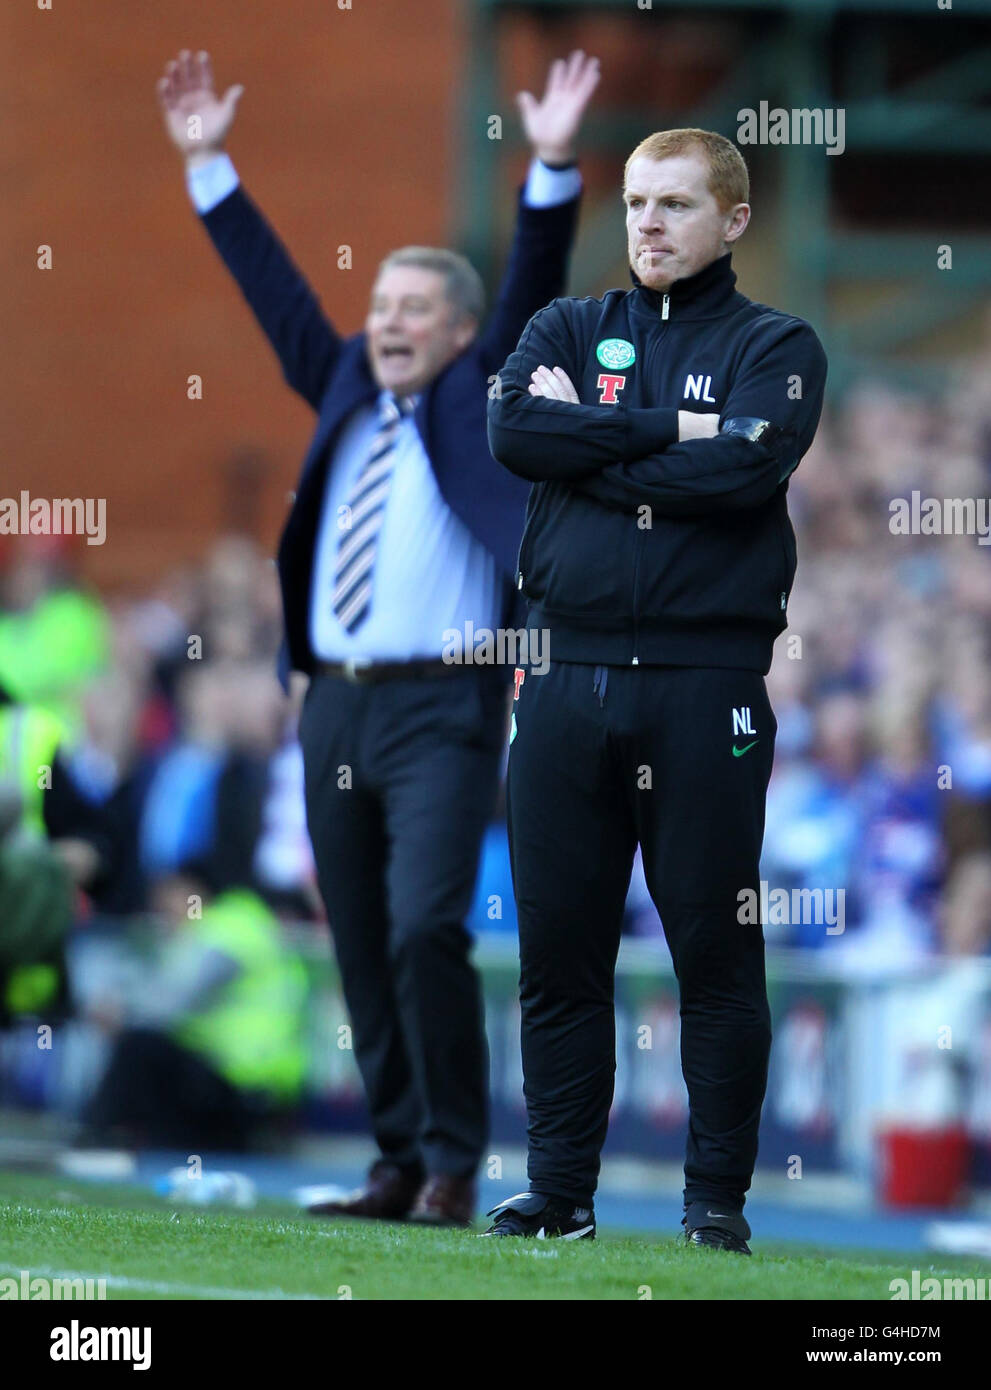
(29, 739)
(252, 1029)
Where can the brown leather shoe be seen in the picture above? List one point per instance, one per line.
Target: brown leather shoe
(445, 1201)
(388, 1194)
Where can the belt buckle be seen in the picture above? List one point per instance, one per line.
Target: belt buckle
(353, 665)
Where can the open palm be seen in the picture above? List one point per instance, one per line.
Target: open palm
(187, 90)
(552, 124)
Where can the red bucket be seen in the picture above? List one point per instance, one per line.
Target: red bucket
(924, 1167)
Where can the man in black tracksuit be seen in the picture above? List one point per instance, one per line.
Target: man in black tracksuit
(659, 427)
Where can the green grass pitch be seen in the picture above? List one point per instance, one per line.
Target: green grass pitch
(149, 1248)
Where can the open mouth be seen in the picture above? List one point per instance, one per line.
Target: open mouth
(395, 353)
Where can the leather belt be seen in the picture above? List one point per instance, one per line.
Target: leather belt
(361, 672)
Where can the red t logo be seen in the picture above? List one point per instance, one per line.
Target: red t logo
(518, 677)
(609, 385)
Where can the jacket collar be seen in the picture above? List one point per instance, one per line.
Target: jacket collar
(706, 294)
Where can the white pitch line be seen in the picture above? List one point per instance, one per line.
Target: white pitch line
(123, 1281)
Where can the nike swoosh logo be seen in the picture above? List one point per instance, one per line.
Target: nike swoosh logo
(718, 1215)
(739, 752)
(568, 1235)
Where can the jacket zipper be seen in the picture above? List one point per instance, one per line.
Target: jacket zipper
(520, 577)
(665, 312)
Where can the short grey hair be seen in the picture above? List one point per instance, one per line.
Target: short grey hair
(463, 286)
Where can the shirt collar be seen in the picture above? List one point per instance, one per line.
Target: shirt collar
(387, 398)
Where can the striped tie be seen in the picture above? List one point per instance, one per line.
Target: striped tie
(366, 510)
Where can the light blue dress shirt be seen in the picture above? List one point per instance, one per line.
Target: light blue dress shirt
(431, 575)
(430, 572)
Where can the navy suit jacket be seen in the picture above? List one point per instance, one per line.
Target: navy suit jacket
(333, 374)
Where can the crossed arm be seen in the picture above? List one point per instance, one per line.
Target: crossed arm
(678, 462)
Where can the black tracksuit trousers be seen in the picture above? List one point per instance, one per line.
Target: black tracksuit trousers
(601, 758)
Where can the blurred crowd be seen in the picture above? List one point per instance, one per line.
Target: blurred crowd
(179, 747)
(176, 734)
(882, 777)
(150, 778)
(881, 686)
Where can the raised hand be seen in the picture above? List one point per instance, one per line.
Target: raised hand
(552, 124)
(187, 90)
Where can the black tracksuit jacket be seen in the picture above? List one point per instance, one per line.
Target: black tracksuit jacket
(639, 548)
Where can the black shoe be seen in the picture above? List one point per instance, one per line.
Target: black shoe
(533, 1214)
(707, 1223)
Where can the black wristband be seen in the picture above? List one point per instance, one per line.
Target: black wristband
(757, 431)
(571, 164)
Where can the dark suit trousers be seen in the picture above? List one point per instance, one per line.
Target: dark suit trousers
(401, 781)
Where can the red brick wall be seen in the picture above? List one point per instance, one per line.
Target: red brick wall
(344, 134)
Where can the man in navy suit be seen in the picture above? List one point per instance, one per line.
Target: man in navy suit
(403, 530)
